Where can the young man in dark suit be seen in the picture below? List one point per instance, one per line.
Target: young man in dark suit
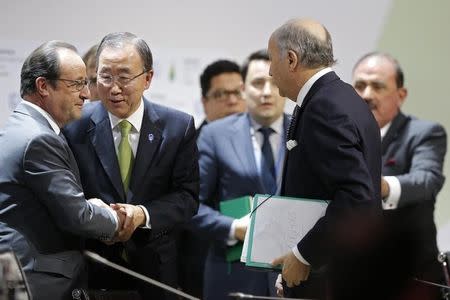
(240, 155)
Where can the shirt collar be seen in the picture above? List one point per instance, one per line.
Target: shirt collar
(46, 115)
(277, 125)
(307, 86)
(385, 129)
(135, 118)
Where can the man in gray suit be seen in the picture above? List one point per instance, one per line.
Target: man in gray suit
(240, 155)
(43, 211)
(412, 157)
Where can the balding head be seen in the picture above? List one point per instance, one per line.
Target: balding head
(312, 27)
(309, 39)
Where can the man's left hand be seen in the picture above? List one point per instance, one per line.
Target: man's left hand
(294, 271)
(134, 217)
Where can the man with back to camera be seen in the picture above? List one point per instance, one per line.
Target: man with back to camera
(43, 211)
(139, 157)
(335, 156)
(413, 154)
(221, 83)
(240, 155)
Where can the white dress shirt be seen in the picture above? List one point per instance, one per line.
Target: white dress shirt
(395, 189)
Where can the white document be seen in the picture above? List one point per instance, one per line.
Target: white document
(277, 225)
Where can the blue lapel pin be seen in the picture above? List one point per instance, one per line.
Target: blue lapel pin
(150, 137)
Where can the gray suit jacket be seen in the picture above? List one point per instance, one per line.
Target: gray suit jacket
(413, 150)
(43, 211)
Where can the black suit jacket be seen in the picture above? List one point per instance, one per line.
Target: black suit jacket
(337, 158)
(164, 179)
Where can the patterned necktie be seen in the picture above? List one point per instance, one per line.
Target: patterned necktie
(267, 162)
(291, 129)
(125, 154)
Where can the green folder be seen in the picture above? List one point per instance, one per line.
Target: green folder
(235, 208)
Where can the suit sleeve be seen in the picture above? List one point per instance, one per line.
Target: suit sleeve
(424, 179)
(333, 147)
(49, 173)
(209, 222)
(180, 203)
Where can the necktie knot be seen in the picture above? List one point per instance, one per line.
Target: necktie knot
(266, 132)
(125, 127)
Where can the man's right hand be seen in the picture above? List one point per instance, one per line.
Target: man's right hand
(241, 227)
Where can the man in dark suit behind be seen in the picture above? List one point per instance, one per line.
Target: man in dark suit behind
(141, 155)
(413, 154)
(334, 154)
(43, 211)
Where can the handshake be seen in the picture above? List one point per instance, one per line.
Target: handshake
(129, 218)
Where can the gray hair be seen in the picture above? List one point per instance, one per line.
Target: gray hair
(119, 39)
(312, 51)
(42, 62)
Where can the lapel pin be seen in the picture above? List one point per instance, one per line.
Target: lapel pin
(390, 162)
(150, 137)
(291, 144)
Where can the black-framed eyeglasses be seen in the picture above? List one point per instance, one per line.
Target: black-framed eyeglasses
(77, 85)
(223, 95)
(108, 79)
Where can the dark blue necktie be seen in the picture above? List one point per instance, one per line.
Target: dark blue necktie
(267, 162)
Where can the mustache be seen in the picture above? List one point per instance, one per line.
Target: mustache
(370, 103)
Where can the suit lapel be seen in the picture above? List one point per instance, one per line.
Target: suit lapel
(149, 141)
(241, 140)
(100, 135)
(399, 121)
(318, 84)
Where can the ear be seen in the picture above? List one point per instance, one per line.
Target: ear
(148, 78)
(402, 93)
(292, 60)
(42, 86)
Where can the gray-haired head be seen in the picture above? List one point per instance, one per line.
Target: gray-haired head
(120, 39)
(42, 62)
(399, 75)
(309, 39)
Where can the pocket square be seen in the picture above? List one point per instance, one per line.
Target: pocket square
(291, 144)
(390, 162)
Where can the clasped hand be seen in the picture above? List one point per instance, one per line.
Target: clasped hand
(129, 216)
(294, 271)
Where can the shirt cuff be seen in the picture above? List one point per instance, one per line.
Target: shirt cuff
(147, 218)
(299, 256)
(395, 190)
(231, 241)
(115, 217)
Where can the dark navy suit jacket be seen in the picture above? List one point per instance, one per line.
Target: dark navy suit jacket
(337, 158)
(164, 179)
